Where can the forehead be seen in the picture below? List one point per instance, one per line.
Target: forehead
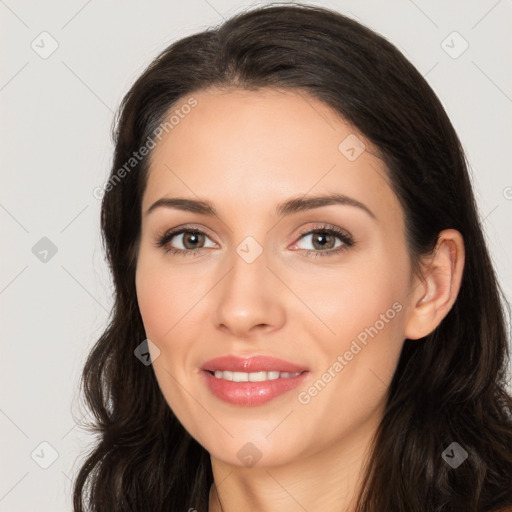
(254, 147)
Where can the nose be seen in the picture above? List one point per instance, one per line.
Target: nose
(250, 298)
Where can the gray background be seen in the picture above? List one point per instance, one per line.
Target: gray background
(56, 149)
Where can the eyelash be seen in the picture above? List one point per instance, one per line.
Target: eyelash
(325, 229)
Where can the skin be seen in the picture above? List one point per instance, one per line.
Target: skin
(245, 152)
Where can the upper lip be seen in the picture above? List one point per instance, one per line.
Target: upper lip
(251, 364)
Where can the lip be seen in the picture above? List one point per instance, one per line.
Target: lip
(251, 394)
(252, 364)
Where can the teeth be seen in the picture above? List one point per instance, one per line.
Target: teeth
(253, 376)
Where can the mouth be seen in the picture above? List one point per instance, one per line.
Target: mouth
(253, 381)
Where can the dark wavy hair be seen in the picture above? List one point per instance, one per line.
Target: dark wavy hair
(449, 386)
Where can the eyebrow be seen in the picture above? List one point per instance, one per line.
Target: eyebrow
(293, 205)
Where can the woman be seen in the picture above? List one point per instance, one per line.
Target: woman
(295, 248)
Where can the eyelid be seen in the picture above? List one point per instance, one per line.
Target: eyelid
(187, 228)
(324, 226)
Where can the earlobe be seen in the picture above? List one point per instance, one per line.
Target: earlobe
(434, 294)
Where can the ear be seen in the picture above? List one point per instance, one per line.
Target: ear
(434, 293)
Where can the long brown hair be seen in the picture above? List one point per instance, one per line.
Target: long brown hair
(448, 387)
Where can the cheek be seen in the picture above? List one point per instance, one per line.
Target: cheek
(363, 307)
(355, 297)
(369, 323)
(167, 299)
(156, 296)
(163, 300)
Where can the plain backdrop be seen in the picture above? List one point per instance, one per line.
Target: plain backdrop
(65, 66)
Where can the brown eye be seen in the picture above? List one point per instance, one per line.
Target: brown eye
(323, 241)
(184, 241)
(326, 241)
(192, 240)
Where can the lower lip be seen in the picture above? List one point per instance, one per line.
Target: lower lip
(249, 394)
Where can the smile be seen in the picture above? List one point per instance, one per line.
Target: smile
(253, 376)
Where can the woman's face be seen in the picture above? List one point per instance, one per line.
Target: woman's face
(264, 277)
